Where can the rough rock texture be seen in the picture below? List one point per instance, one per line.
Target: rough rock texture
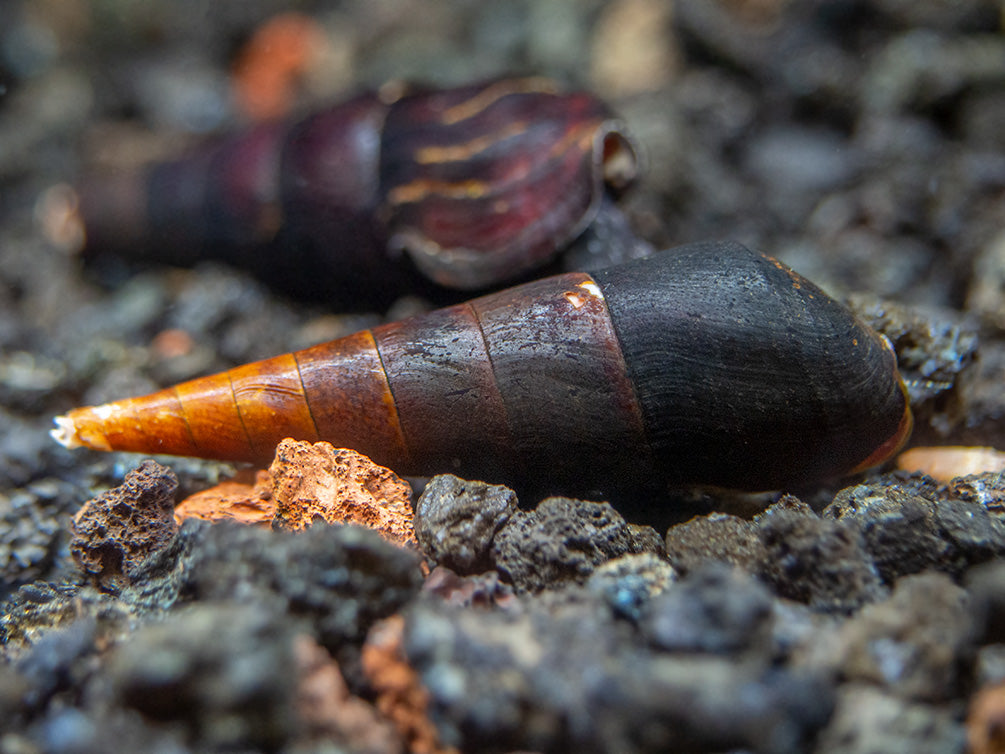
(320, 482)
(34, 530)
(336, 580)
(571, 680)
(457, 520)
(816, 560)
(907, 529)
(717, 537)
(308, 483)
(562, 540)
(988, 489)
(936, 352)
(115, 533)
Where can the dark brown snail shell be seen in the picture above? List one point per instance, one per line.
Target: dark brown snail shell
(467, 188)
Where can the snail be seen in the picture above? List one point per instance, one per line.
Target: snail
(708, 364)
(468, 188)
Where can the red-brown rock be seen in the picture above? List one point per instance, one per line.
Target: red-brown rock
(401, 697)
(330, 713)
(232, 501)
(318, 481)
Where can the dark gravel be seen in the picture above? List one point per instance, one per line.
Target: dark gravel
(860, 142)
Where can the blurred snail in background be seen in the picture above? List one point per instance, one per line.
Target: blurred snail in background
(391, 192)
(708, 364)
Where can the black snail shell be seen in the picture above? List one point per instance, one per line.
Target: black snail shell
(707, 364)
(749, 376)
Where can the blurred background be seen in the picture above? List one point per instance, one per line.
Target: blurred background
(860, 140)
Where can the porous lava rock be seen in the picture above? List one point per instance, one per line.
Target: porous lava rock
(908, 528)
(717, 537)
(457, 520)
(320, 482)
(561, 542)
(115, 532)
(551, 676)
(817, 561)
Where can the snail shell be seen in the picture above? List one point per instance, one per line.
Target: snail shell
(467, 187)
(707, 364)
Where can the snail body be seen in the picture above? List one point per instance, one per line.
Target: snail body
(467, 188)
(707, 364)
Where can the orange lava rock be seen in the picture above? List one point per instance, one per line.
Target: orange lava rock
(330, 712)
(172, 343)
(986, 721)
(318, 481)
(232, 501)
(401, 697)
(272, 63)
(946, 463)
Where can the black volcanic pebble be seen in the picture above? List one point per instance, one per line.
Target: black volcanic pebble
(817, 561)
(114, 533)
(561, 678)
(910, 528)
(34, 531)
(713, 609)
(219, 671)
(338, 580)
(456, 521)
(562, 541)
(988, 489)
(715, 537)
